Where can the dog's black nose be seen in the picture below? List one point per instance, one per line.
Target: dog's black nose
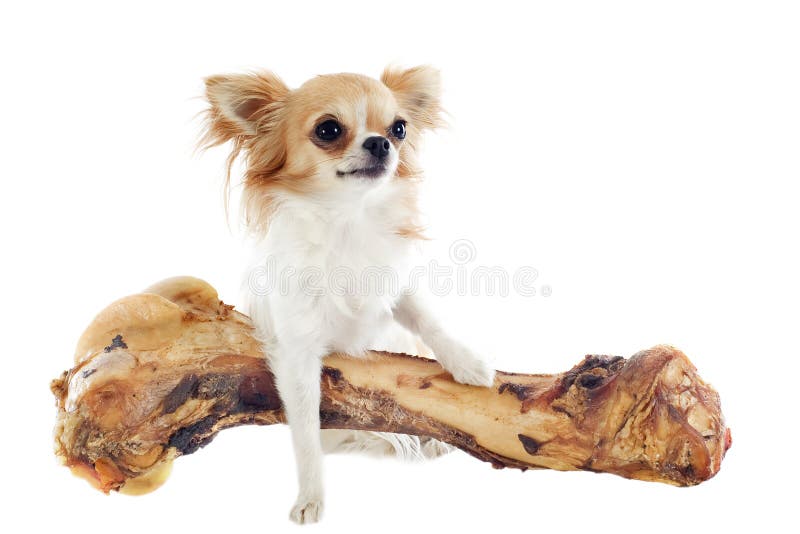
(378, 146)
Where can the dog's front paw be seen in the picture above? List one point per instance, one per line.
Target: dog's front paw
(466, 366)
(306, 511)
(474, 372)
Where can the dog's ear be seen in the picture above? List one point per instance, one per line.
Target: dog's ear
(418, 91)
(242, 106)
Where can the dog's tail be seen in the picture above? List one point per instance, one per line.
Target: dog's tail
(382, 444)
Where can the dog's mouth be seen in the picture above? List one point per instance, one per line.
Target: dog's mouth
(366, 172)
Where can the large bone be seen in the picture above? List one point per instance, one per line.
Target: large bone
(158, 374)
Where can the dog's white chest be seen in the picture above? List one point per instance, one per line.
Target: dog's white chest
(336, 278)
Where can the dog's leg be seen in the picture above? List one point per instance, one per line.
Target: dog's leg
(297, 375)
(465, 366)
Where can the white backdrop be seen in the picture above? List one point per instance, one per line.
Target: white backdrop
(643, 159)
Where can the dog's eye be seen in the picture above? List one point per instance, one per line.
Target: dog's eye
(328, 130)
(399, 129)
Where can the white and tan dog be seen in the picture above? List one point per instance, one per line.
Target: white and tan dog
(329, 193)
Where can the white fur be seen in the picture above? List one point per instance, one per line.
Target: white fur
(383, 444)
(346, 227)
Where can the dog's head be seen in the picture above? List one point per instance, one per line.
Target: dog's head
(337, 135)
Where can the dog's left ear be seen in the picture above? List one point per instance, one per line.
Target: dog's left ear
(418, 90)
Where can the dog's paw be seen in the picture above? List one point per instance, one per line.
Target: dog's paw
(306, 511)
(466, 366)
(474, 372)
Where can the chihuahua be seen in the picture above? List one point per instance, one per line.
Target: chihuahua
(329, 194)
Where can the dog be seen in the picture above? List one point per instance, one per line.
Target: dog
(329, 195)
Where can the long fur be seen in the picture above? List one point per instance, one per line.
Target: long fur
(315, 215)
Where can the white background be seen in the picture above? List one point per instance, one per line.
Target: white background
(643, 158)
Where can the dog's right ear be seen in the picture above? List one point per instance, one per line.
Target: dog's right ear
(242, 106)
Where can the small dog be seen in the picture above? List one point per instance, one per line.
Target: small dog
(329, 189)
